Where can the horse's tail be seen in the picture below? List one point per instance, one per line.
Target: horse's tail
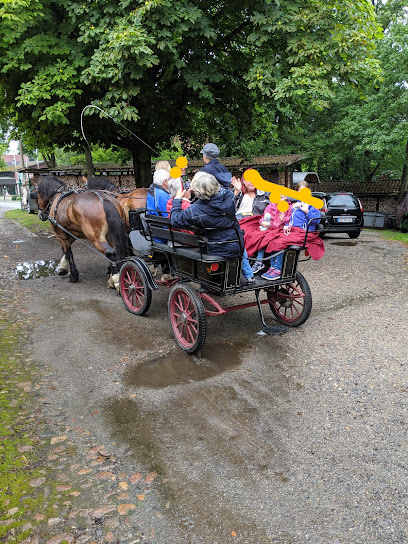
(117, 231)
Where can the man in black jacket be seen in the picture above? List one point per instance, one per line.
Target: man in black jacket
(213, 166)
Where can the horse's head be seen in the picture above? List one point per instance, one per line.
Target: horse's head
(101, 183)
(47, 187)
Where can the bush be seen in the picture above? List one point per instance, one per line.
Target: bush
(15, 197)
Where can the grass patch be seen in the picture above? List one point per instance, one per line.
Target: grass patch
(29, 221)
(22, 452)
(395, 235)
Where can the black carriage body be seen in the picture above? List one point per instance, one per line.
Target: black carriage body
(184, 256)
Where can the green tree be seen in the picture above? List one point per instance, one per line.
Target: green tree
(190, 68)
(364, 134)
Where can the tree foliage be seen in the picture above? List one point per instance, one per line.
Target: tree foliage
(364, 134)
(177, 67)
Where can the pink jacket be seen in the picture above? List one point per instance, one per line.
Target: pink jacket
(278, 219)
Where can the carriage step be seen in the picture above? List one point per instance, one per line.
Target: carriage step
(274, 330)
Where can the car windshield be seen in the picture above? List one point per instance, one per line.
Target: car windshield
(347, 201)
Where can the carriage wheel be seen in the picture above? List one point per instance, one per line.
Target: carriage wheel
(187, 318)
(134, 288)
(294, 302)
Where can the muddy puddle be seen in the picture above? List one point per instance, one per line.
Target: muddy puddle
(176, 367)
(36, 269)
(347, 243)
(213, 446)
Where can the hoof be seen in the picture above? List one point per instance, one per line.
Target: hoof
(73, 279)
(153, 269)
(62, 272)
(113, 281)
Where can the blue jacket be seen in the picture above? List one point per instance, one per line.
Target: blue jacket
(217, 213)
(300, 219)
(219, 171)
(156, 202)
(157, 198)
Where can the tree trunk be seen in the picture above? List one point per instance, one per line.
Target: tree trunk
(404, 178)
(50, 160)
(20, 147)
(369, 177)
(142, 164)
(89, 163)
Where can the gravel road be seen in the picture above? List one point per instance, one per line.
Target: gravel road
(292, 439)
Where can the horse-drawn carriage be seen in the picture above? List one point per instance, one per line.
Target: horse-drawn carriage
(184, 255)
(98, 217)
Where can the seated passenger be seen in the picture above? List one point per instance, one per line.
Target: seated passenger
(162, 165)
(303, 213)
(212, 165)
(300, 215)
(271, 219)
(174, 184)
(249, 200)
(158, 195)
(215, 209)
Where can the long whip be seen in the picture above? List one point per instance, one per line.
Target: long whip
(115, 121)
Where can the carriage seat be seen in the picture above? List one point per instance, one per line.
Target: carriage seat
(190, 244)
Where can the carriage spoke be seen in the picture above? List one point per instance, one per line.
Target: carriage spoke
(178, 303)
(192, 331)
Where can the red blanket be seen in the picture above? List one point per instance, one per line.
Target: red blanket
(275, 240)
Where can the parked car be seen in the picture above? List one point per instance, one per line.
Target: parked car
(343, 213)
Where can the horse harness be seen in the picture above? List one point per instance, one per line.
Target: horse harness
(53, 221)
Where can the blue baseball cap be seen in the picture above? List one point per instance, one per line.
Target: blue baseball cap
(210, 151)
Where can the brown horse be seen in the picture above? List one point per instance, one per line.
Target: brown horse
(135, 198)
(92, 215)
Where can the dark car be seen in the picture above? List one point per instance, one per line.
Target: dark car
(343, 213)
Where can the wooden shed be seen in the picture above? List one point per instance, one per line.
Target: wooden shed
(275, 168)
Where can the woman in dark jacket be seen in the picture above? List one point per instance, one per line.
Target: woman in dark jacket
(214, 208)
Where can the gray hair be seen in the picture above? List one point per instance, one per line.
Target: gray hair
(205, 185)
(173, 186)
(302, 184)
(163, 165)
(160, 176)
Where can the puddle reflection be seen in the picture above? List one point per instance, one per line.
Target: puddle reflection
(36, 269)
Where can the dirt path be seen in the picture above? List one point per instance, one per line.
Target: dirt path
(292, 439)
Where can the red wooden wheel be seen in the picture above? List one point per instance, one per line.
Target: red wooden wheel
(293, 301)
(187, 318)
(134, 288)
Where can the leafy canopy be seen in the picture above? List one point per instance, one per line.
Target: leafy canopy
(199, 69)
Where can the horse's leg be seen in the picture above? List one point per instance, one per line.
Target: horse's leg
(74, 275)
(67, 258)
(66, 248)
(113, 271)
(63, 265)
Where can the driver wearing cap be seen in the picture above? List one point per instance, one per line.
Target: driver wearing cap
(213, 166)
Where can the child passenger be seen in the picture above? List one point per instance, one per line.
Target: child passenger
(301, 214)
(271, 219)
